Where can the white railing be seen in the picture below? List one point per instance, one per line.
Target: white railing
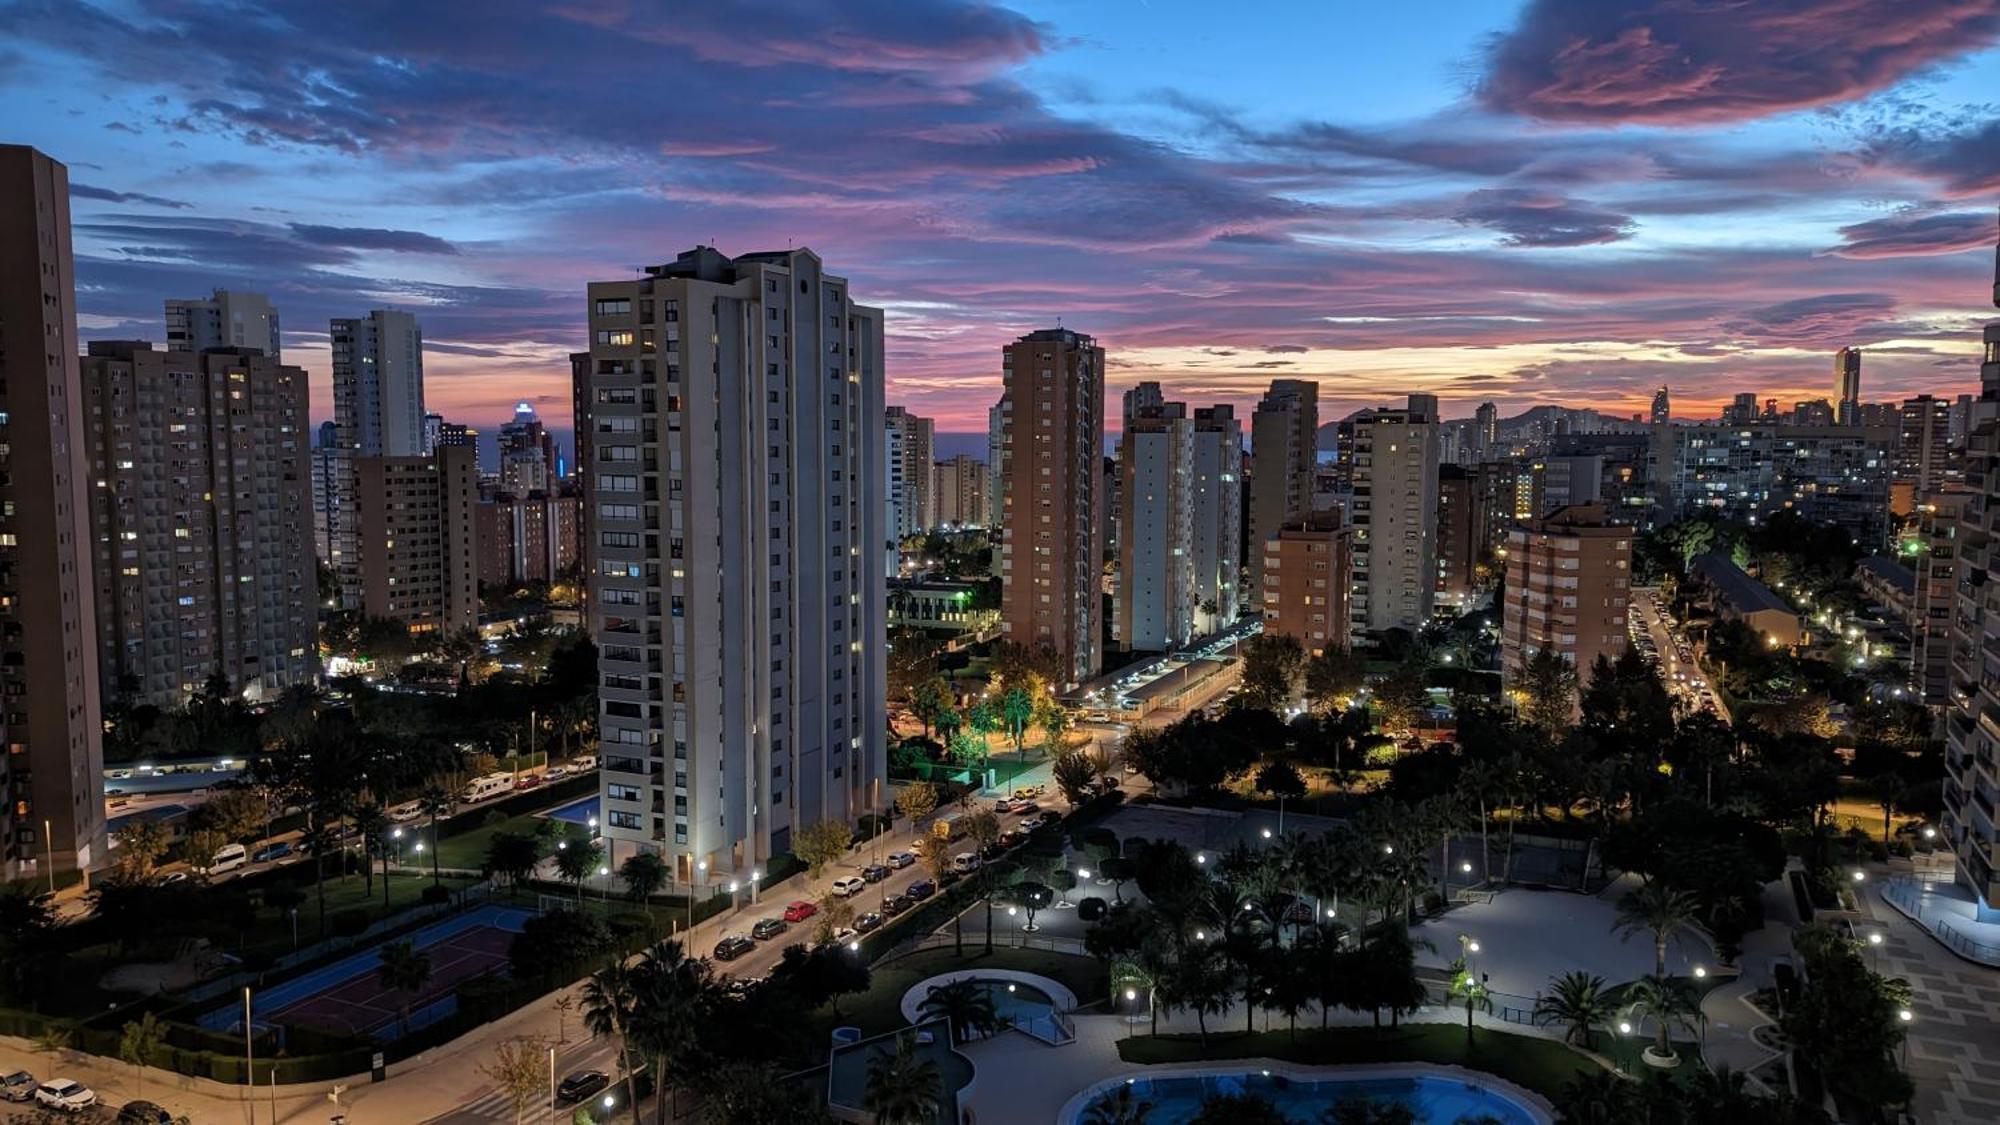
(1910, 898)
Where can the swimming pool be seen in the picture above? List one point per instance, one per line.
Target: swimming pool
(1033, 1005)
(583, 810)
(1435, 1099)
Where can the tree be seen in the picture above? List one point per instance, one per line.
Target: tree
(141, 843)
(1598, 1097)
(643, 873)
(1201, 982)
(1887, 789)
(669, 992)
(140, 1041)
(904, 1087)
(27, 937)
(916, 801)
(200, 849)
(1333, 678)
(237, 814)
(1017, 710)
(935, 854)
(1120, 1107)
(577, 860)
(819, 844)
(511, 856)
(1548, 686)
(1668, 1001)
(1055, 721)
(1661, 911)
(609, 996)
(1273, 670)
(966, 1007)
(1469, 988)
(754, 1093)
(969, 750)
(1075, 775)
(930, 700)
(1576, 1000)
(517, 1069)
(1280, 779)
(983, 828)
(404, 969)
(435, 801)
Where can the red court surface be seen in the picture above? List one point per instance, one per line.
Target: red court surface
(361, 1004)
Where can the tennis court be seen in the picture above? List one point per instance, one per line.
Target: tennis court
(348, 997)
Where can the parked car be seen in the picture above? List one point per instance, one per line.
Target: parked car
(556, 773)
(1030, 823)
(269, 852)
(847, 886)
(922, 889)
(896, 904)
(732, 947)
(407, 811)
(800, 910)
(1012, 838)
(65, 1094)
(767, 929)
(170, 878)
(18, 1086)
(527, 781)
(1028, 791)
(900, 860)
(843, 935)
(874, 873)
(868, 923)
(965, 862)
(581, 1085)
(144, 1113)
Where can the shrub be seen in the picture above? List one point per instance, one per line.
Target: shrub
(1092, 909)
(437, 895)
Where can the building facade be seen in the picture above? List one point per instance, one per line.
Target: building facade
(1393, 509)
(1924, 459)
(1847, 385)
(527, 538)
(1307, 574)
(225, 320)
(730, 429)
(378, 411)
(1828, 474)
(959, 489)
(909, 451)
(201, 523)
(1052, 537)
(1284, 447)
(1153, 601)
(417, 544)
(1216, 514)
(50, 708)
(1569, 581)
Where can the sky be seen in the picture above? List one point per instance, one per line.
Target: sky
(1558, 201)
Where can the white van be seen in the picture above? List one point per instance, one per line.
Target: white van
(965, 863)
(492, 785)
(229, 857)
(406, 812)
(583, 762)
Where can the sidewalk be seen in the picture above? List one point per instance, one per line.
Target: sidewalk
(1953, 1051)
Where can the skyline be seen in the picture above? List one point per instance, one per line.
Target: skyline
(1550, 202)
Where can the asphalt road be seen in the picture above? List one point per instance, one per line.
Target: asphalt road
(1693, 687)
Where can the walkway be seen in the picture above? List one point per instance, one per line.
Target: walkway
(1946, 910)
(1954, 1042)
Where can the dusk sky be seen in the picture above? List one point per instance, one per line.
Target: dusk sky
(1562, 201)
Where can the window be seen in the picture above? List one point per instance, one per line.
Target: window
(619, 538)
(618, 511)
(622, 792)
(615, 337)
(625, 820)
(614, 306)
(625, 395)
(618, 483)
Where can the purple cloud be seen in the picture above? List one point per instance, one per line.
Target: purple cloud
(1911, 234)
(1682, 62)
(81, 190)
(1539, 218)
(373, 238)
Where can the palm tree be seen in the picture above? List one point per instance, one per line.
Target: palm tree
(1578, 1001)
(1664, 999)
(1470, 987)
(1202, 984)
(435, 802)
(608, 1000)
(141, 1040)
(669, 990)
(904, 1088)
(1661, 911)
(966, 1007)
(1123, 1107)
(407, 970)
(372, 825)
(644, 873)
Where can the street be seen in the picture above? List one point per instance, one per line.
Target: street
(1683, 676)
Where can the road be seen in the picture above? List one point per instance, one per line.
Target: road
(1684, 678)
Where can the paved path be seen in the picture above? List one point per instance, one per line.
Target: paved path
(1954, 1042)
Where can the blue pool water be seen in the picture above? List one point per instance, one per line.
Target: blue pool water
(1435, 1100)
(579, 811)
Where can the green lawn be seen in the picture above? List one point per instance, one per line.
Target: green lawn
(879, 1009)
(1541, 1065)
(468, 849)
(273, 931)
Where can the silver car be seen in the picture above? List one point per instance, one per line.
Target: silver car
(18, 1086)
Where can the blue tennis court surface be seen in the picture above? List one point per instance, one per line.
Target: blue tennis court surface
(580, 811)
(345, 996)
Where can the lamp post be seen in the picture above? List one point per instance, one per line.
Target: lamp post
(49, 850)
(552, 1086)
(1906, 1016)
(1874, 948)
(249, 1061)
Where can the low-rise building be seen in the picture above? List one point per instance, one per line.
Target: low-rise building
(1736, 596)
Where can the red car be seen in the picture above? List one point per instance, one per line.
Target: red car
(800, 911)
